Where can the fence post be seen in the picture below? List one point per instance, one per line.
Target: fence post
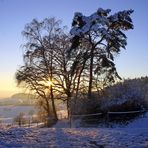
(70, 120)
(107, 119)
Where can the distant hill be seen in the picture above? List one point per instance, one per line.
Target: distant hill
(19, 99)
(23, 96)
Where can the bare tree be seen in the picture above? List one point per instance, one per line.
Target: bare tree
(40, 60)
(47, 70)
(20, 119)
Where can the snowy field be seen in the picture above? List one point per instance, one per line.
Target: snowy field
(73, 138)
(8, 113)
(134, 135)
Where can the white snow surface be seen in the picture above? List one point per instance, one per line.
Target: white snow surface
(73, 138)
(134, 135)
(141, 122)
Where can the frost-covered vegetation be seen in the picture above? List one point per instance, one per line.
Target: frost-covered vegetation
(131, 94)
(128, 95)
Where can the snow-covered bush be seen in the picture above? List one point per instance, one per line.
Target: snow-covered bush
(131, 94)
(128, 95)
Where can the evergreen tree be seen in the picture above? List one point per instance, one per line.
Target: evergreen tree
(105, 35)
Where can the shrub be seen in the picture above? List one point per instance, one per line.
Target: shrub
(125, 96)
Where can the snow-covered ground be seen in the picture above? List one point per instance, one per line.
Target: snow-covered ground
(8, 113)
(73, 138)
(141, 122)
(134, 135)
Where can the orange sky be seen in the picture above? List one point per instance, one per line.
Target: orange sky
(7, 86)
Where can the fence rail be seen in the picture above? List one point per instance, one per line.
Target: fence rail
(105, 117)
(85, 115)
(124, 112)
(127, 112)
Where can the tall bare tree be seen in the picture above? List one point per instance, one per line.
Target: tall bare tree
(47, 70)
(40, 59)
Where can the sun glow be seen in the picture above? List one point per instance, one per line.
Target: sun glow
(7, 86)
(48, 83)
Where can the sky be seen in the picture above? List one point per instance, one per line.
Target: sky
(15, 14)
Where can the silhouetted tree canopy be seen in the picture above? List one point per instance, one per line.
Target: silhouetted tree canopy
(105, 34)
(59, 65)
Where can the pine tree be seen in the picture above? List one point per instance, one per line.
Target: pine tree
(105, 35)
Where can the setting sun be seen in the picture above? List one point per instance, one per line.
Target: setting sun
(49, 83)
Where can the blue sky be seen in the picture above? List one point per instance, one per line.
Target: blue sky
(14, 14)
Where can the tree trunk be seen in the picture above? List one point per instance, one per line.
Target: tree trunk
(53, 103)
(68, 105)
(51, 89)
(79, 78)
(91, 73)
(51, 120)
